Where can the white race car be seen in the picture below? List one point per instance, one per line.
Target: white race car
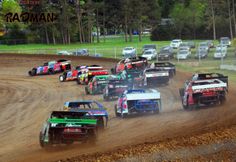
(138, 101)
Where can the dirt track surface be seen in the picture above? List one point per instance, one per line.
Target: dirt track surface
(25, 103)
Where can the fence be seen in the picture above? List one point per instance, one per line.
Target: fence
(116, 52)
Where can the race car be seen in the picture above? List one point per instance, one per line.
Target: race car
(72, 75)
(138, 101)
(130, 63)
(97, 84)
(65, 127)
(51, 67)
(133, 77)
(114, 88)
(90, 72)
(202, 93)
(203, 76)
(153, 76)
(93, 108)
(165, 66)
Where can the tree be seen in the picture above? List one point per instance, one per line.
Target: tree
(213, 18)
(230, 19)
(234, 16)
(195, 14)
(178, 14)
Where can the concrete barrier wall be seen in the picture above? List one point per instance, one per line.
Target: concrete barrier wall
(228, 67)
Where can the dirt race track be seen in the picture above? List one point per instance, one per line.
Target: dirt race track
(25, 103)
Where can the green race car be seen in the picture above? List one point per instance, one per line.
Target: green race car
(97, 84)
(65, 127)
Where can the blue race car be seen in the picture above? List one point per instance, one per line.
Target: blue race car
(92, 108)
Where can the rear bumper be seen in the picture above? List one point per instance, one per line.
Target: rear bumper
(115, 92)
(157, 80)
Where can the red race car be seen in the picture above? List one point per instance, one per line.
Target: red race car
(72, 75)
(90, 72)
(51, 67)
(130, 63)
(202, 93)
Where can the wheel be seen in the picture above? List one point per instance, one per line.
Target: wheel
(100, 123)
(185, 107)
(86, 90)
(116, 113)
(167, 83)
(222, 100)
(61, 78)
(113, 71)
(156, 111)
(92, 136)
(123, 115)
(181, 92)
(51, 71)
(32, 72)
(106, 98)
(78, 80)
(41, 137)
(68, 142)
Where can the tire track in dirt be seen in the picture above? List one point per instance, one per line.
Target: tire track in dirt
(28, 101)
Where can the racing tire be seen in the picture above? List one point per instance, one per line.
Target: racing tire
(113, 71)
(106, 98)
(86, 90)
(116, 113)
(50, 71)
(68, 142)
(32, 72)
(181, 92)
(41, 142)
(157, 111)
(92, 139)
(167, 83)
(61, 78)
(222, 100)
(185, 107)
(123, 116)
(78, 81)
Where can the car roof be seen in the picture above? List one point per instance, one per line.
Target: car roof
(150, 50)
(81, 101)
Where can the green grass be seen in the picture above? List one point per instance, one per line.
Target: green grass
(112, 47)
(207, 66)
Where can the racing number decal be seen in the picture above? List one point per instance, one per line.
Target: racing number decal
(45, 69)
(69, 74)
(39, 70)
(57, 67)
(90, 85)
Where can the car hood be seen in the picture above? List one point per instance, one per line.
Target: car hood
(147, 55)
(164, 54)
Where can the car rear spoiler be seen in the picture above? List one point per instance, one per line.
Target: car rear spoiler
(72, 121)
(92, 113)
(67, 114)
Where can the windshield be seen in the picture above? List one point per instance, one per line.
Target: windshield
(148, 53)
(184, 44)
(153, 70)
(83, 105)
(203, 44)
(220, 50)
(175, 41)
(183, 52)
(128, 48)
(224, 39)
(164, 51)
(149, 47)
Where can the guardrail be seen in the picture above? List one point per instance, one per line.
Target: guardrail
(228, 67)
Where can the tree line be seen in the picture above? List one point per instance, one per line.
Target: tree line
(85, 21)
